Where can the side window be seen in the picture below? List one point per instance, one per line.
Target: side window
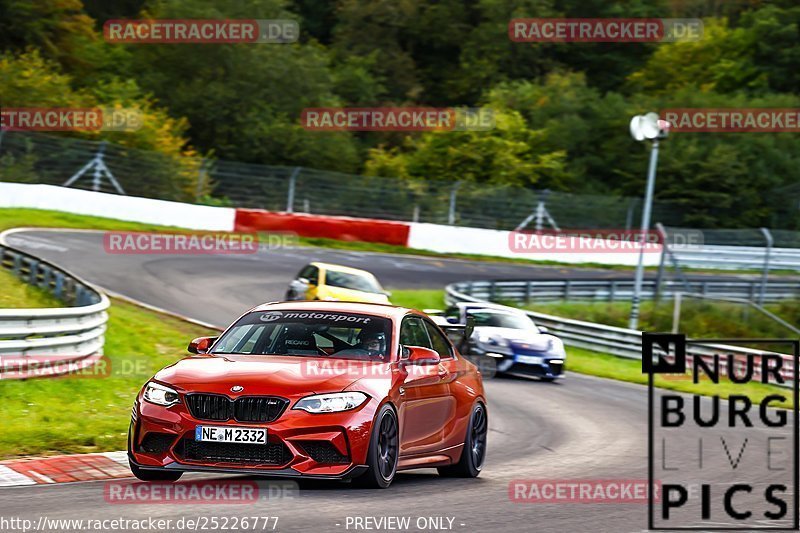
(413, 333)
(440, 344)
(311, 273)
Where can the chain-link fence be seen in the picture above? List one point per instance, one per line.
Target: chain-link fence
(40, 158)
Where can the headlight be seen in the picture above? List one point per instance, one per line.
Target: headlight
(331, 403)
(160, 395)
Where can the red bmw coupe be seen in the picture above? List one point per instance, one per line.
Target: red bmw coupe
(327, 390)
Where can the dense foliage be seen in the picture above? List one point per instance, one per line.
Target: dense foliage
(562, 109)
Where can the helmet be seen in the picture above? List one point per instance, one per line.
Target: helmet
(372, 341)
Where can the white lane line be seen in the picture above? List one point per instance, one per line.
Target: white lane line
(12, 478)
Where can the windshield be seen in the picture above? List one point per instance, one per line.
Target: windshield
(501, 320)
(310, 334)
(355, 282)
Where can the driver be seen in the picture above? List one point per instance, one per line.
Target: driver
(374, 342)
(371, 343)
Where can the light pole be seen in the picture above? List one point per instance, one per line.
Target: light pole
(645, 127)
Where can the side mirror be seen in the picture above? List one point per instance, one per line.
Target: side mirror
(542, 329)
(388, 294)
(304, 281)
(201, 345)
(418, 355)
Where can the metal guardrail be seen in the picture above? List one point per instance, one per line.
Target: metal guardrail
(738, 257)
(609, 290)
(621, 342)
(50, 341)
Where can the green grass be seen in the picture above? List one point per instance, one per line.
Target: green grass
(630, 370)
(699, 318)
(418, 299)
(17, 295)
(82, 414)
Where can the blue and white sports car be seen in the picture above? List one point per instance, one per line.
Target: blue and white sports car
(510, 341)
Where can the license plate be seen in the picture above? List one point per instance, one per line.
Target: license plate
(530, 359)
(230, 434)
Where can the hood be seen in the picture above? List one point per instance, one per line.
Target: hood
(536, 341)
(265, 374)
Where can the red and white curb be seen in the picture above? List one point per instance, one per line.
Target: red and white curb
(64, 469)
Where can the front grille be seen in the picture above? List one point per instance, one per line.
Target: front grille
(209, 406)
(223, 452)
(156, 442)
(323, 452)
(244, 409)
(259, 408)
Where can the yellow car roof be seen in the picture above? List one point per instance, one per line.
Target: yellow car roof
(340, 268)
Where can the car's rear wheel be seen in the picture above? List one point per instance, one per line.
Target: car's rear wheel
(474, 452)
(384, 451)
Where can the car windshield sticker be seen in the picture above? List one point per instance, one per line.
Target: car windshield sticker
(272, 316)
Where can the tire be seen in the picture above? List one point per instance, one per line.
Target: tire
(384, 451)
(548, 380)
(149, 475)
(474, 452)
(154, 475)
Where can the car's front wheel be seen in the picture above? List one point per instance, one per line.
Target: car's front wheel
(384, 451)
(474, 452)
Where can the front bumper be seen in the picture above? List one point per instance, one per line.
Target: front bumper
(550, 366)
(299, 444)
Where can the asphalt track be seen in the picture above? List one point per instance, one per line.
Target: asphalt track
(583, 428)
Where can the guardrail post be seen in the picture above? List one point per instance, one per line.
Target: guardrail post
(612, 290)
(17, 265)
(451, 212)
(46, 274)
(290, 193)
(59, 288)
(528, 290)
(567, 286)
(33, 272)
(491, 291)
(704, 288)
(765, 273)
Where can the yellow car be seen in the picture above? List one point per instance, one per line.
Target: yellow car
(323, 281)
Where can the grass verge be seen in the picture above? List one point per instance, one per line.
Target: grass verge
(17, 295)
(82, 414)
